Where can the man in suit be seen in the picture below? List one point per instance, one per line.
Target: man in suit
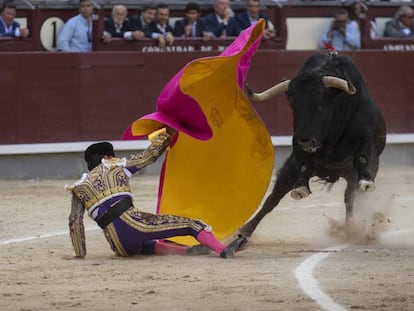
(119, 26)
(192, 25)
(222, 22)
(164, 28)
(251, 15)
(145, 21)
(401, 26)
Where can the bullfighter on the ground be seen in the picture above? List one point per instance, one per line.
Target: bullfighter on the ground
(105, 194)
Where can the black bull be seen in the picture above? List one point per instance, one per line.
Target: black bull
(338, 132)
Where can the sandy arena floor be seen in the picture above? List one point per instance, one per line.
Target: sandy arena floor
(301, 257)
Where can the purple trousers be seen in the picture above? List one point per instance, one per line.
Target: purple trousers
(135, 232)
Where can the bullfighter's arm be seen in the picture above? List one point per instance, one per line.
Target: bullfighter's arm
(160, 140)
(76, 227)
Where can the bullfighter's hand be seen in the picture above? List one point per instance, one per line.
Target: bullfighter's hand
(171, 131)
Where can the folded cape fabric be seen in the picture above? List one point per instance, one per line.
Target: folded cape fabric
(220, 165)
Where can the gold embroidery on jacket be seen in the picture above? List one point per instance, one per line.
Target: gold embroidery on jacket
(101, 183)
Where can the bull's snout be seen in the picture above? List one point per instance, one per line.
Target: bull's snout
(309, 144)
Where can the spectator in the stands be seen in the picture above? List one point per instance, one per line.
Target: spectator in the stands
(119, 26)
(8, 26)
(342, 34)
(357, 12)
(192, 26)
(251, 15)
(76, 34)
(401, 25)
(145, 22)
(222, 23)
(164, 29)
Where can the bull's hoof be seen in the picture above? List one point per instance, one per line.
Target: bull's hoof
(300, 193)
(235, 246)
(245, 243)
(366, 185)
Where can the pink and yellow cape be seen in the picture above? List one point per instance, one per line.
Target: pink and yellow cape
(220, 165)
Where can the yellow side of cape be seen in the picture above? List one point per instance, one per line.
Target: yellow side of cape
(222, 180)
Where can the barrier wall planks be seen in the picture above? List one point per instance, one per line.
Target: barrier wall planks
(66, 97)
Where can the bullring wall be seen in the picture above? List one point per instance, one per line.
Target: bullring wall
(67, 97)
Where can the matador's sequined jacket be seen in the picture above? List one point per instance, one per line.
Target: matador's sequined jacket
(105, 185)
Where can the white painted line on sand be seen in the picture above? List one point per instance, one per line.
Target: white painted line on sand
(309, 284)
(309, 206)
(41, 236)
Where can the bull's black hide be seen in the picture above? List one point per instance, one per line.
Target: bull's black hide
(338, 132)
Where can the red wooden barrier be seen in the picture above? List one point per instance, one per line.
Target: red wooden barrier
(63, 97)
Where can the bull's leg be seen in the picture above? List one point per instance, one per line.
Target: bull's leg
(285, 181)
(349, 198)
(363, 163)
(365, 182)
(301, 187)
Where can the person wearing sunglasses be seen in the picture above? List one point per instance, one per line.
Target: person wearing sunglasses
(401, 25)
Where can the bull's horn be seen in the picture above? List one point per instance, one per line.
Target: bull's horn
(273, 91)
(339, 84)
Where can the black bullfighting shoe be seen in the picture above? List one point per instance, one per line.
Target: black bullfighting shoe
(235, 246)
(197, 250)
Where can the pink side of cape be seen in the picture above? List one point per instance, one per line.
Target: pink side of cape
(182, 112)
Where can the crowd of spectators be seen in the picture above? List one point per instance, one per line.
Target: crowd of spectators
(344, 31)
(153, 22)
